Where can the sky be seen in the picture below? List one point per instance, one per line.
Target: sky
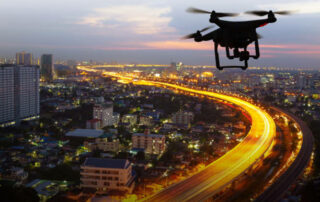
(145, 31)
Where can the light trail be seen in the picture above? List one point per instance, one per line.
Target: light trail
(234, 163)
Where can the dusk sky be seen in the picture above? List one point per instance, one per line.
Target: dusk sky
(144, 31)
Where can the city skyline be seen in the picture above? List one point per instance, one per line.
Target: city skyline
(144, 32)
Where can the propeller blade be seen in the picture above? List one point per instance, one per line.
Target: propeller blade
(196, 10)
(227, 14)
(193, 35)
(284, 12)
(206, 28)
(189, 36)
(258, 13)
(259, 36)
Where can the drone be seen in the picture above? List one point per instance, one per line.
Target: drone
(234, 35)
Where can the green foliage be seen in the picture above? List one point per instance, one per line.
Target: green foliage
(174, 147)
(315, 128)
(60, 172)
(140, 156)
(18, 194)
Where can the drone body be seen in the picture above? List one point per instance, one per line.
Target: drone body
(234, 35)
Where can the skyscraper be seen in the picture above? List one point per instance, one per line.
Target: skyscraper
(19, 94)
(46, 67)
(6, 95)
(24, 58)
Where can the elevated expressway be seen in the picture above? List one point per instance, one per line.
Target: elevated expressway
(230, 166)
(281, 185)
(237, 161)
(233, 164)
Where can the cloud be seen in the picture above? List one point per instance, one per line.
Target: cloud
(139, 19)
(303, 7)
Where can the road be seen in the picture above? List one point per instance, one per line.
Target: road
(282, 184)
(235, 162)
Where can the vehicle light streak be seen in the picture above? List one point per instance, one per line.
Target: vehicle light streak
(234, 163)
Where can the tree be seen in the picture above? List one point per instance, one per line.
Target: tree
(140, 156)
(18, 194)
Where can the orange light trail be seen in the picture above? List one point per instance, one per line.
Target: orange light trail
(234, 163)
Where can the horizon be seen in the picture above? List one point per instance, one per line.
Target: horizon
(150, 32)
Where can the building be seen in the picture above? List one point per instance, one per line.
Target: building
(106, 143)
(182, 118)
(85, 133)
(19, 94)
(93, 124)
(130, 119)
(104, 113)
(152, 144)
(107, 174)
(24, 58)
(7, 112)
(146, 120)
(27, 101)
(46, 67)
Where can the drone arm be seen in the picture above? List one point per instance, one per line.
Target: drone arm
(210, 36)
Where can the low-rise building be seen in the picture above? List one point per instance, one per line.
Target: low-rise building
(129, 118)
(146, 120)
(93, 124)
(152, 144)
(182, 118)
(107, 174)
(104, 144)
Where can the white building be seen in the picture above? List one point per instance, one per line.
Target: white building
(104, 113)
(19, 94)
(152, 144)
(182, 117)
(107, 174)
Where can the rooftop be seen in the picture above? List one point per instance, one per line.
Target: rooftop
(89, 133)
(150, 135)
(94, 120)
(106, 163)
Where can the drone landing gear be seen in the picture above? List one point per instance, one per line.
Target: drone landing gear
(244, 56)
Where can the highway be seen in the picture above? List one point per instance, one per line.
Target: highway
(282, 184)
(234, 163)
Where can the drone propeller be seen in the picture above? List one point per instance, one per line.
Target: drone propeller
(196, 10)
(263, 13)
(259, 36)
(193, 35)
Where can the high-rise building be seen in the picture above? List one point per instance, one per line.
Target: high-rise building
(19, 94)
(24, 58)
(46, 67)
(6, 95)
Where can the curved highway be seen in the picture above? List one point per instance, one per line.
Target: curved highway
(281, 185)
(226, 169)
